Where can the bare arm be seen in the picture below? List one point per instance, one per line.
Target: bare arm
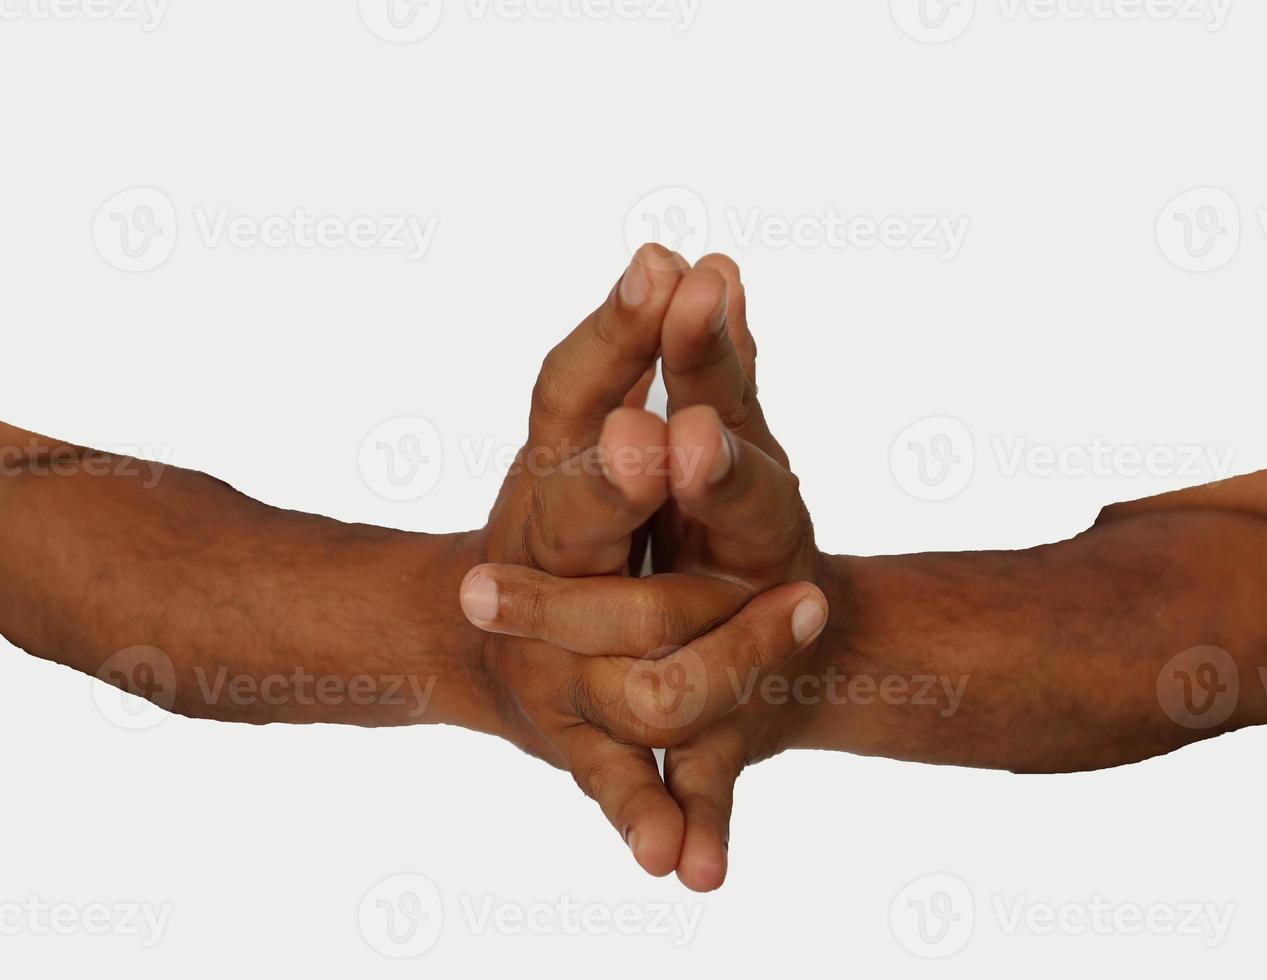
(263, 614)
(1089, 653)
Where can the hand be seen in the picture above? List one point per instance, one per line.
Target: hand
(590, 477)
(737, 514)
(734, 518)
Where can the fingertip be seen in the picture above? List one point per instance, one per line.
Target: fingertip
(656, 844)
(701, 451)
(704, 863)
(809, 616)
(632, 450)
(654, 257)
(737, 314)
(723, 264)
(479, 596)
(696, 319)
(649, 282)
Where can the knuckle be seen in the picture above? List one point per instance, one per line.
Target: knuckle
(593, 711)
(648, 624)
(605, 329)
(641, 705)
(533, 609)
(738, 414)
(593, 777)
(698, 802)
(758, 648)
(544, 519)
(549, 398)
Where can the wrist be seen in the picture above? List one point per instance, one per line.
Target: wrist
(845, 682)
(433, 644)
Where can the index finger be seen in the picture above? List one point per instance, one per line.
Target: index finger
(593, 369)
(702, 364)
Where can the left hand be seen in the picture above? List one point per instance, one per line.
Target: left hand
(736, 516)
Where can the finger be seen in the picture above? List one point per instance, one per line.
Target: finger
(749, 503)
(661, 703)
(583, 512)
(637, 397)
(701, 365)
(594, 368)
(626, 784)
(737, 310)
(643, 618)
(701, 775)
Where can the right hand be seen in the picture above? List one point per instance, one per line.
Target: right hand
(604, 678)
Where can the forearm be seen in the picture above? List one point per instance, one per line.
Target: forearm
(1047, 659)
(265, 615)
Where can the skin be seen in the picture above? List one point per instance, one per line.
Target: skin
(1045, 660)
(176, 587)
(556, 648)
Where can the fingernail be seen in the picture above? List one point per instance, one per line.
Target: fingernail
(724, 461)
(635, 286)
(808, 620)
(479, 599)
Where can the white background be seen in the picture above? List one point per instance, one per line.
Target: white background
(1065, 318)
